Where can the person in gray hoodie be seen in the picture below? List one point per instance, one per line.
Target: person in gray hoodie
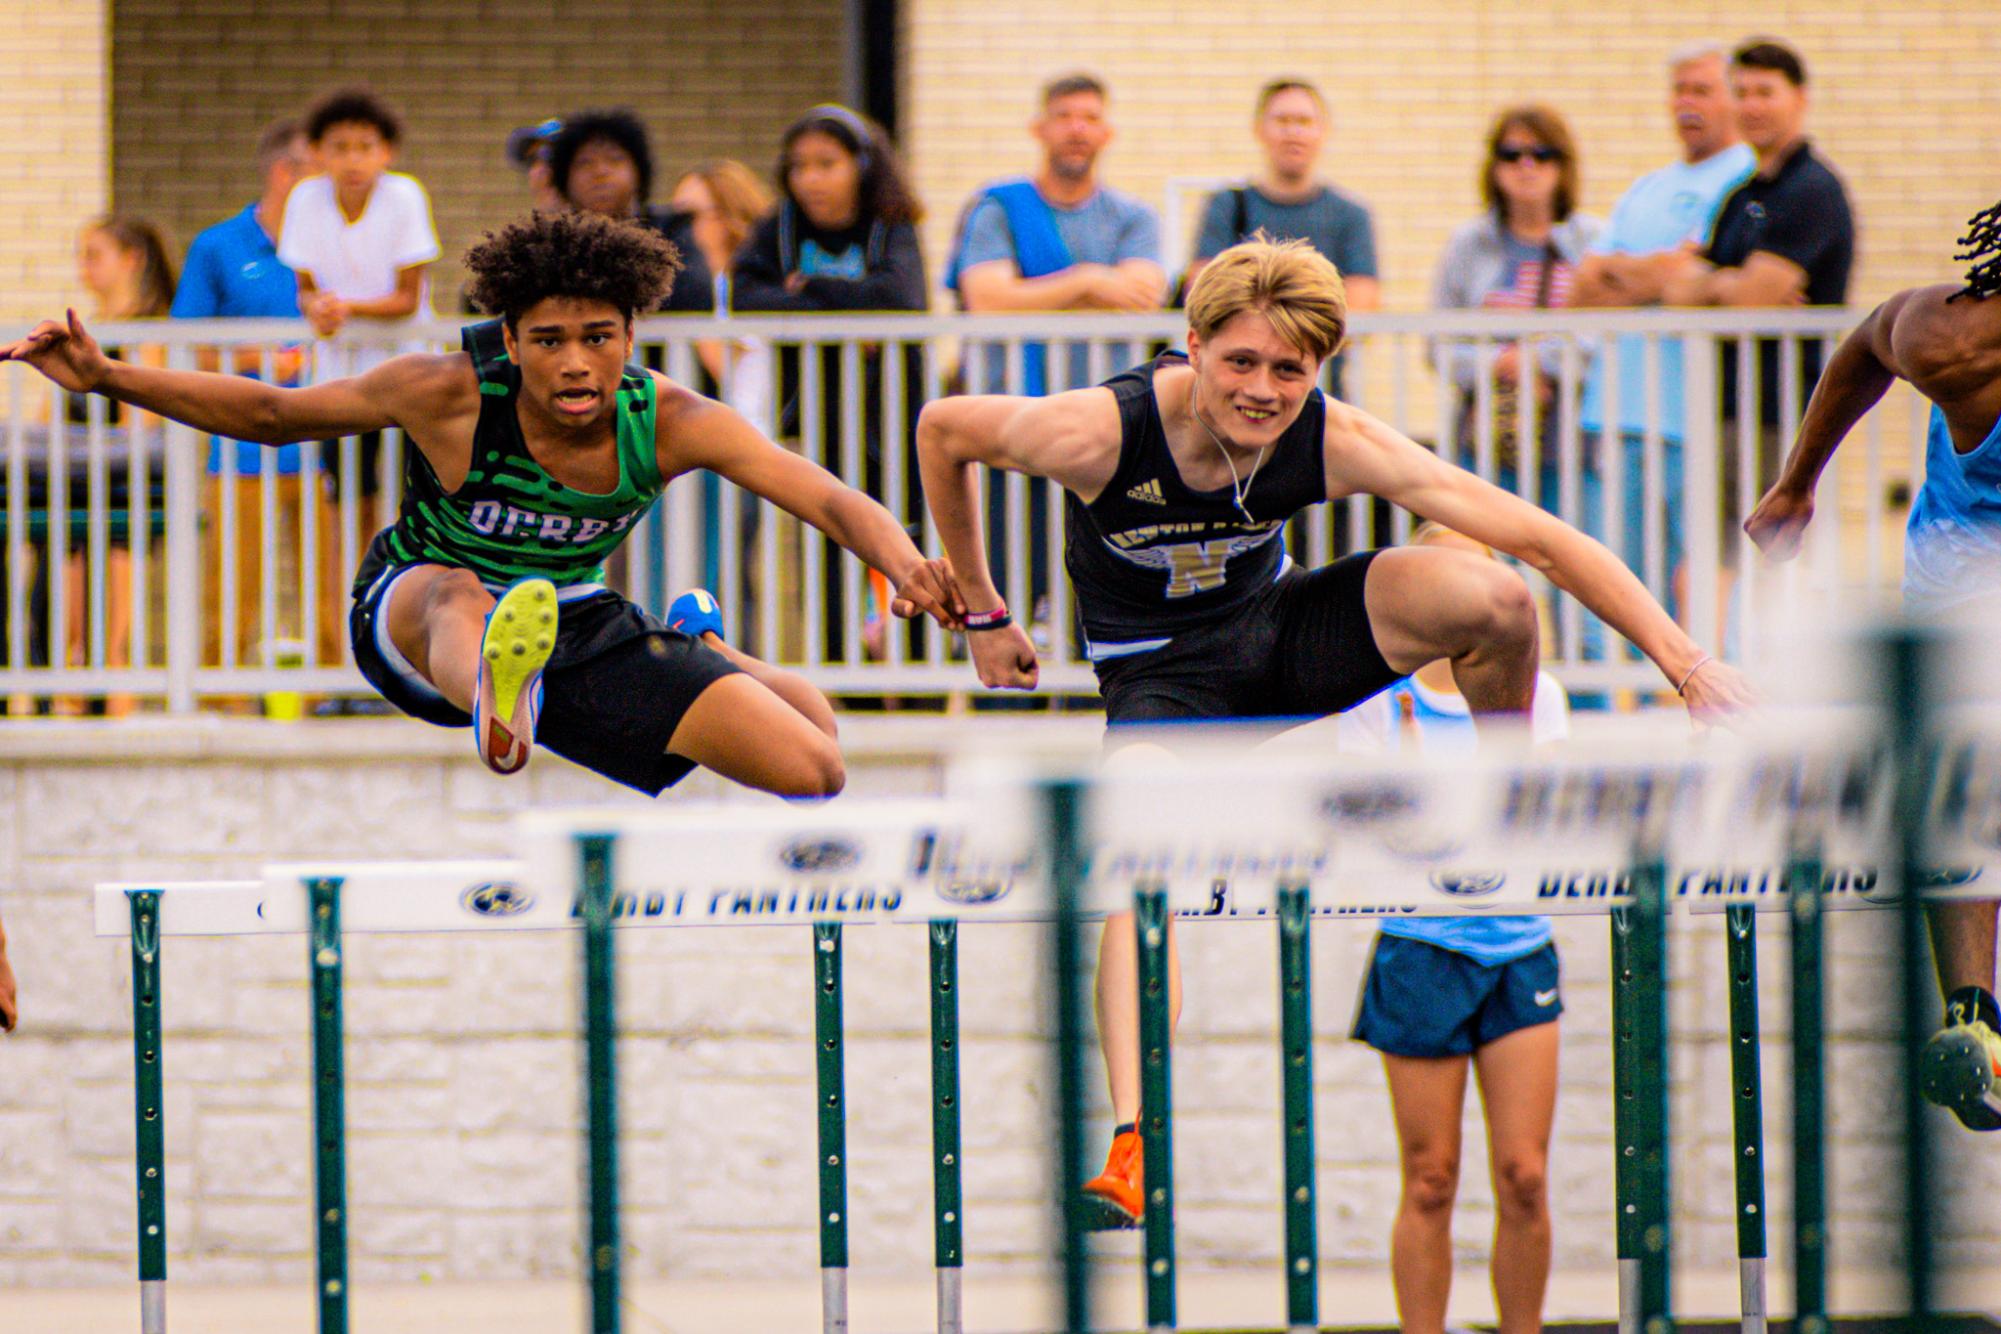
(1520, 253)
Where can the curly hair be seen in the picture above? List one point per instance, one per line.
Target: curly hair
(1983, 252)
(356, 106)
(580, 255)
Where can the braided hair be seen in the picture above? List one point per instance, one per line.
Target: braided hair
(1983, 249)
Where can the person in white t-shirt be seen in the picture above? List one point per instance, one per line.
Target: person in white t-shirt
(359, 236)
(361, 239)
(1448, 995)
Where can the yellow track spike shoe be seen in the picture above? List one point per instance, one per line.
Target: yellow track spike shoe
(520, 636)
(1961, 1070)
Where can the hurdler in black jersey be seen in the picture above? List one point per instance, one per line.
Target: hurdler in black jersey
(1152, 557)
(1191, 607)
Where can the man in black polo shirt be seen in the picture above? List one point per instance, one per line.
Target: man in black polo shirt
(1785, 237)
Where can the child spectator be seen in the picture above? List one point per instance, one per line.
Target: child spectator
(844, 237)
(361, 240)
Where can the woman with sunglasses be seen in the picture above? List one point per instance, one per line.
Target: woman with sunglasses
(1519, 254)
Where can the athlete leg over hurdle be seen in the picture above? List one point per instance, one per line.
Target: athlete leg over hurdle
(1181, 476)
(1945, 340)
(534, 451)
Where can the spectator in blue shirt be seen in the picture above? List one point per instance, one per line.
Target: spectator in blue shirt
(1661, 217)
(1287, 202)
(233, 272)
(1057, 240)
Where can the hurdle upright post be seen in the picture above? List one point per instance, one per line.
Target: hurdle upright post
(1907, 656)
(1747, 1112)
(833, 1127)
(947, 1194)
(1064, 814)
(1295, 1007)
(1652, 1174)
(149, 1111)
(601, 1253)
(329, 1103)
(1625, 1123)
(1803, 901)
(1156, 1103)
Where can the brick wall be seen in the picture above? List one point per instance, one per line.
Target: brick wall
(196, 83)
(1903, 102)
(55, 171)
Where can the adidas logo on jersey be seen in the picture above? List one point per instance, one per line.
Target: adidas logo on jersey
(1147, 492)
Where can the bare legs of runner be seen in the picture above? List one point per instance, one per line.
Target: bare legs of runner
(767, 728)
(1963, 943)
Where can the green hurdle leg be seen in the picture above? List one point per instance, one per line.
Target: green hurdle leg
(833, 1127)
(1156, 1101)
(1747, 1112)
(1295, 1007)
(947, 1197)
(329, 1104)
(150, 1115)
(1625, 1124)
(1907, 657)
(1809, 1091)
(1065, 841)
(601, 1081)
(1650, 1038)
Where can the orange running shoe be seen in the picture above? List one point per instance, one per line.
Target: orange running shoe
(1120, 1189)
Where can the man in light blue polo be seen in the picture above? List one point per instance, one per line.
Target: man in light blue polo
(233, 272)
(1659, 218)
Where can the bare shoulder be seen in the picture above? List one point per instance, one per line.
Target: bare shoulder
(1073, 438)
(677, 408)
(1946, 344)
(426, 384)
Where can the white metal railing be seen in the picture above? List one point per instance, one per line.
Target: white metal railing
(135, 565)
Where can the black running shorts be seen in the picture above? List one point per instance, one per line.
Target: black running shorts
(1301, 648)
(615, 688)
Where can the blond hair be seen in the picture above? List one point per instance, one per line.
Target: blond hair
(1288, 282)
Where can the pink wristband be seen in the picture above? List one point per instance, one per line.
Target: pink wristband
(997, 619)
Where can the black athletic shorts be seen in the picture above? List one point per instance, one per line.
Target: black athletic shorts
(613, 693)
(1300, 648)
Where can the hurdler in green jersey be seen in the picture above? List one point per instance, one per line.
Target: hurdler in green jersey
(534, 450)
(510, 520)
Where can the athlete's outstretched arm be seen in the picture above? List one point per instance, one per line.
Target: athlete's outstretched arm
(697, 432)
(1367, 455)
(1857, 376)
(1065, 437)
(226, 405)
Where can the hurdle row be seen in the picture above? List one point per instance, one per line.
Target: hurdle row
(1638, 916)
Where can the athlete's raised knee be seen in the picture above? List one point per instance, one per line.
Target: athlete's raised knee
(813, 771)
(450, 590)
(1506, 608)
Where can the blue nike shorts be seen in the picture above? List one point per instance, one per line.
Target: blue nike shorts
(1421, 1000)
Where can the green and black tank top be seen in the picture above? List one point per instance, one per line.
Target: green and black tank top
(510, 519)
